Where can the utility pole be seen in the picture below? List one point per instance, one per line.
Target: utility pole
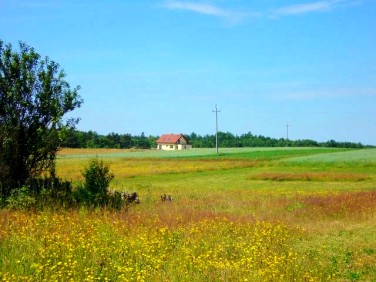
(287, 134)
(216, 111)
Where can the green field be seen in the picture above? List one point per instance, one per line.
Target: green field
(248, 214)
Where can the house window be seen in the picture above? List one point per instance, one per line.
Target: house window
(171, 146)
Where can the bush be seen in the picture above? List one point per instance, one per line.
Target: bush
(49, 198)
(40, 193)
(97, 177)
(97, 180)
(55, 193)
(51, 192)
(20, 199)
(2, 202)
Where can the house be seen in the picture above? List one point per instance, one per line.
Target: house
(172, 142)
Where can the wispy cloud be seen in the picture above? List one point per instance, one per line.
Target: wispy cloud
(197, 8)
(312, 7)
(304, 8)
(207, 9)
(238, 16)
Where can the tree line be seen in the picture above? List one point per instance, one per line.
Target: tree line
(91, 139)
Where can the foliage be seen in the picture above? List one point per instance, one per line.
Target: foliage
(52, 193)
(228, 140)
(97, 177)
(34, 97)
(94, 191)
(20, 199)
(41, 194)
(91, 139)
(81, 139)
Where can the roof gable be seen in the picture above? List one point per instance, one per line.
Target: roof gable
(170, 138)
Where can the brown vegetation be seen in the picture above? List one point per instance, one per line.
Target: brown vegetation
(310, 176)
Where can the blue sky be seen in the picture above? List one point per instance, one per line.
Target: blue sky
(161, 66)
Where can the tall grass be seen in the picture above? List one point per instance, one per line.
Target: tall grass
(310, 176)
(223, 225)
(117, 247)
(123, 168)
(318, 237)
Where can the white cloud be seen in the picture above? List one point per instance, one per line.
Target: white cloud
(197, 7)
(318, 6)
(207, 9)
(237, 16)
(303, 8)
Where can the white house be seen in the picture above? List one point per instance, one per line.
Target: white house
(172, 142)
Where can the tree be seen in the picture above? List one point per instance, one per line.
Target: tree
(34, 98)
(97, 177)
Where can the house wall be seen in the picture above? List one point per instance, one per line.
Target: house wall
(172, 147)
(185, 146)
(182, 141)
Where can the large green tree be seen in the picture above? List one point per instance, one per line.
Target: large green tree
(34, 98)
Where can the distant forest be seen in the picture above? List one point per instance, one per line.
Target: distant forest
(91, 139)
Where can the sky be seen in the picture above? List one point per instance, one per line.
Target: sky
(302, 68)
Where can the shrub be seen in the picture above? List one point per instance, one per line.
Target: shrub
(97, 177)
(20, 199)
(51, 192)
(94, 191)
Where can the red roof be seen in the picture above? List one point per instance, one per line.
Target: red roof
(170, 138)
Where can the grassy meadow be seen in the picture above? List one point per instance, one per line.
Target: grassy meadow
(248, 214)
